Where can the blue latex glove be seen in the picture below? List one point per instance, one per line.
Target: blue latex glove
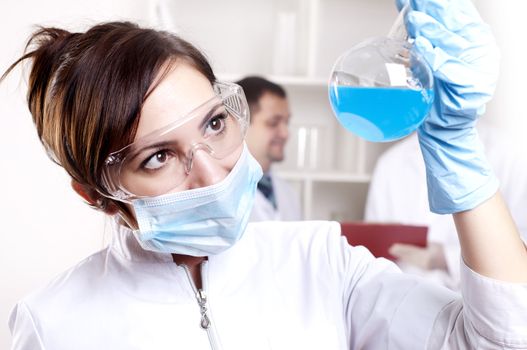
(461, 50)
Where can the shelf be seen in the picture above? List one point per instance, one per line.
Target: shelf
(324, 177)
(287, 80)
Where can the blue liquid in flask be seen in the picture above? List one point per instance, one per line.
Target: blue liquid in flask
(380, 114)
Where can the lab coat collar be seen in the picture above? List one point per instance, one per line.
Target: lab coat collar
(125, 245)
(224, 273)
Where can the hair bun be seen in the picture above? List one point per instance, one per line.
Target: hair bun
(48, 55)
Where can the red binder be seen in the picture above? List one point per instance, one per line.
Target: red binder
(379, 237)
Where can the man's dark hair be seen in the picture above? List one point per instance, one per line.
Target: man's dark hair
(255, 87)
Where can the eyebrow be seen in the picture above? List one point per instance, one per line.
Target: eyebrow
(279, 117)
(211, 112)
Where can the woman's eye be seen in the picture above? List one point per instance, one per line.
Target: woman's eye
(217, 123)
(157, 160)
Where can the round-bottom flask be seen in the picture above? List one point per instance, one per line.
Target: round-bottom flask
(381, 90)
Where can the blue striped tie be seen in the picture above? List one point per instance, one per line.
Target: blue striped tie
(265, 185)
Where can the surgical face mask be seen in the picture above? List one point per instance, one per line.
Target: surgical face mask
(203, 221)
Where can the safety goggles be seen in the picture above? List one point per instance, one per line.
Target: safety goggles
(160, 161)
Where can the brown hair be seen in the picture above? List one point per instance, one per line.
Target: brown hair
(86, 91)
(255, 87)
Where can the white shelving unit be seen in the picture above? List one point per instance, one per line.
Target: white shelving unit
(295, 43)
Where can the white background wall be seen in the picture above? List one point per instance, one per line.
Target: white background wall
(45, 227)
(508, 19)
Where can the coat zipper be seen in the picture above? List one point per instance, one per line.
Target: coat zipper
(201, 297)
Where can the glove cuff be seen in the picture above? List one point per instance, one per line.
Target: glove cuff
(458, 175)
(443, 202)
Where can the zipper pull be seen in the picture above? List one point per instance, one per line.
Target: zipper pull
(202, 301)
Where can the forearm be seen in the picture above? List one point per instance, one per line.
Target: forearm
(490, 243)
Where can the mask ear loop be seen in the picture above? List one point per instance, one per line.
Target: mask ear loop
(124, 218)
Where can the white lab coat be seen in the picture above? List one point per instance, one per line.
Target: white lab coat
(398, 193)
(293, 285)
(287, 202)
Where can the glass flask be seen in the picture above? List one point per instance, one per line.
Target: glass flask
(381, 89)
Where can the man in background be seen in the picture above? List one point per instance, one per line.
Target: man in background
(266, 138)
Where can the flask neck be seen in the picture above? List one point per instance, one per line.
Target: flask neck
(398, 29)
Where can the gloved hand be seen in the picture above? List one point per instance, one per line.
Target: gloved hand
(461, 50)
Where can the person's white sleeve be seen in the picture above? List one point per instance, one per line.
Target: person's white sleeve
(492, 316)
(386, 309)
(24, 331)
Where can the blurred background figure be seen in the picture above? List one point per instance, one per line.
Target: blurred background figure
(397, 194)
(266, 139)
